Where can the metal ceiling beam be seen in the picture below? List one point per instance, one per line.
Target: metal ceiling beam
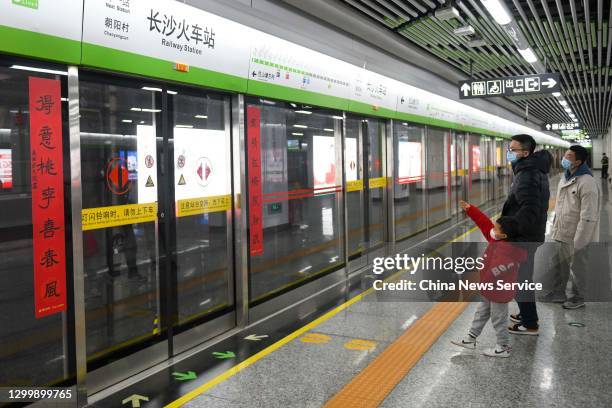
(564, 70)
(358, 5)
(347, 19)
(397, 11)
(415, 4)
(608, 106)
(580, 34)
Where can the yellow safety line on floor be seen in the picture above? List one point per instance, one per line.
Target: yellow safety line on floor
(372, 385)
(256, 357)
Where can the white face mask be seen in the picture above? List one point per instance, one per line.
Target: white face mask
(493, 236)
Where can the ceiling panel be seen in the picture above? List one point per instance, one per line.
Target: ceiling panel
(571, 37)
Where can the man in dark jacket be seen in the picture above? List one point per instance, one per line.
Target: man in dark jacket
(527, 202)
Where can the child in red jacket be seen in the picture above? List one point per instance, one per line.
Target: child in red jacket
(501, 263)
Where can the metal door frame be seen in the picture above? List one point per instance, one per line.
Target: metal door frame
(208, 329)
(361, 259)
(379, 249)
(104, 377)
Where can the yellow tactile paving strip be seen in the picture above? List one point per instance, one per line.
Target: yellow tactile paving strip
(372, 385)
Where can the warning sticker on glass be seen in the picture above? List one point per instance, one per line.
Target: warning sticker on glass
(114, 216)
(354, 185)
(203, 205)
(378, 182)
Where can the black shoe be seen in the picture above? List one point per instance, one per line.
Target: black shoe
(520, 329)
(516, 318)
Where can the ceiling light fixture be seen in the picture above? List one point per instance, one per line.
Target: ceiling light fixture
(301, 126)
(46, 71)
(304, 112)
(528, 55)
(464, 31)
(476, 43)
(446, 13)
(497, 11)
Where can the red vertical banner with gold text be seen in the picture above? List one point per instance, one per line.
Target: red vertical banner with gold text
(47, 196)
(254, 172)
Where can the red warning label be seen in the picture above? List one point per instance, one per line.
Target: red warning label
(117, 177)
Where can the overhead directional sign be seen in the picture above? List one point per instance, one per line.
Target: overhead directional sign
(509, 86)
(562, 126)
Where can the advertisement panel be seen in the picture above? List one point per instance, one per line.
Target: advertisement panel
(475, 158)
(324, 161)
(6, 169)
(410, 165)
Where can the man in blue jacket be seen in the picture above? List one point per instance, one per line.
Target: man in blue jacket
(527, 202)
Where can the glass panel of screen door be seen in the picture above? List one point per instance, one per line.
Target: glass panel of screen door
(202, 192)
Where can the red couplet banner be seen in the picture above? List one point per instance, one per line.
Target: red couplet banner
(254, 172)
(47, 196)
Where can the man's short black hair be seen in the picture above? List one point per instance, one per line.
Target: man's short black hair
(581, 153)
(527, 142)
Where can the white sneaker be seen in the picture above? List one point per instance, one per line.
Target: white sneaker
(498, 351)
(468, 342)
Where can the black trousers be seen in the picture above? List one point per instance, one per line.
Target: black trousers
(525, 299)
(604, 171)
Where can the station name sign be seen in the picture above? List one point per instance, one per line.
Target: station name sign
(509, 86)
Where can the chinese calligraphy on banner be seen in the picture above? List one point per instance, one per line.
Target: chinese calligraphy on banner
(47, 196)
(255, 188)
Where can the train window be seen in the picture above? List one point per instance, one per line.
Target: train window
(410, 209)
(36, 346)
(439, 175)
(295, 219)
(120, 125)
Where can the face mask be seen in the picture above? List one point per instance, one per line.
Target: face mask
(566, 164)
(511, 156)
(494, 237)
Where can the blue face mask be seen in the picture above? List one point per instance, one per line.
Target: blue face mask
(511, 156)
(566, 164)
